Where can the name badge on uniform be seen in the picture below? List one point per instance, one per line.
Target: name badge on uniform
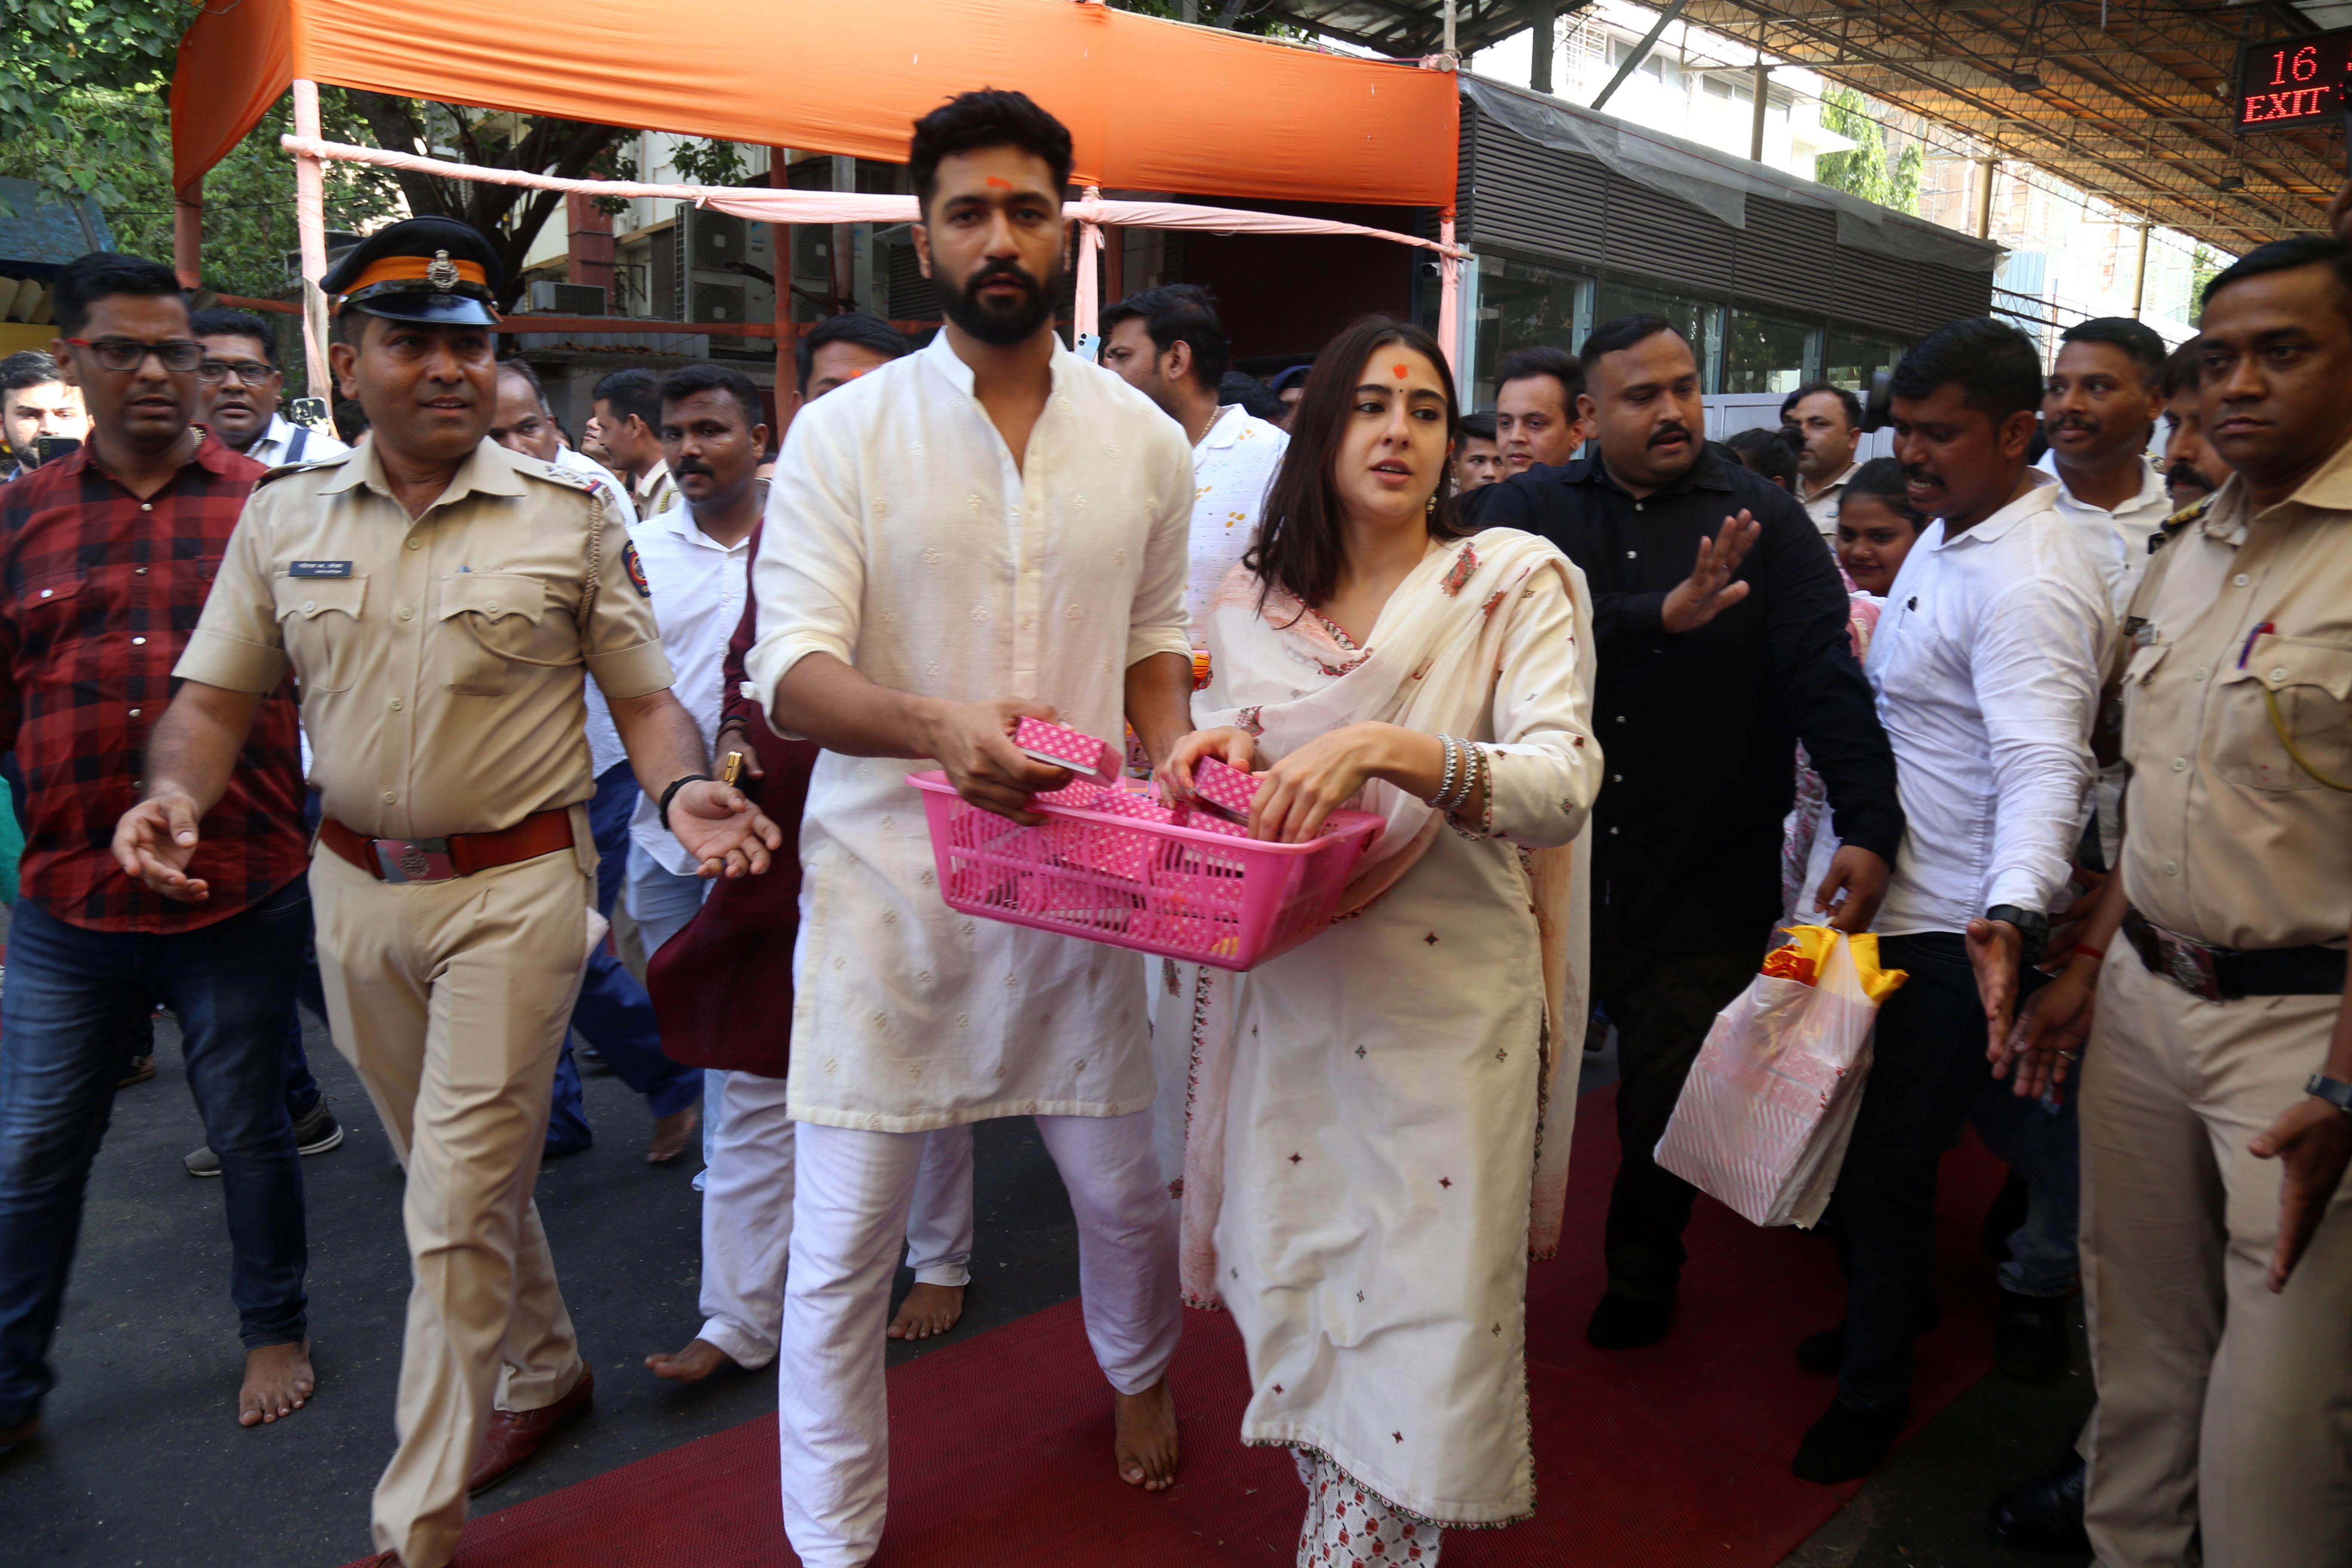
(319, 569)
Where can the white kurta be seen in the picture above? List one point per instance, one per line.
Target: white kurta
(902, 539)
(1380, 1125)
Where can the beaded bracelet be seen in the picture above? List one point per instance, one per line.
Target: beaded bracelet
(1452, 764)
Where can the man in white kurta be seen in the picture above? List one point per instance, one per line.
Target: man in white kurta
(907, 541)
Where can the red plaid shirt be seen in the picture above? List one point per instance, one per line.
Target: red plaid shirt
(98, 592)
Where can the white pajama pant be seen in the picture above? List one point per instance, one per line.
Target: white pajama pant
(849, 1209)
(747, 1216)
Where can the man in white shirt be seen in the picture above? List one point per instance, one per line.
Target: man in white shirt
(1985, 667)
(237, 388)
(626, 423)
(987, 528)
(1168, 345)
(2099, 410)
(613, 1015)
(1826, 423)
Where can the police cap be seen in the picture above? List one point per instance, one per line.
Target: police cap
(437, 270)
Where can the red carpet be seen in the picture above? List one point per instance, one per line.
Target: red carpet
(1673, 1456)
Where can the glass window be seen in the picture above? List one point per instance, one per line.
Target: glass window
(1762, 353)
(1521, 306)
(1851, 361)
(1694, 319)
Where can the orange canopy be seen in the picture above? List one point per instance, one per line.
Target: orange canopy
(1151, 105)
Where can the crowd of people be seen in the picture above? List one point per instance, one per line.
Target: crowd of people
(2065, 724)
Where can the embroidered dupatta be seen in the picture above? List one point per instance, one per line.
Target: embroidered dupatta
(1430, 665)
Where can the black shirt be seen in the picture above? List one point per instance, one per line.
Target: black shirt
(1698, 730)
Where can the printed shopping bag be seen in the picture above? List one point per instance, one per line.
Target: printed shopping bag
(1764, 1118)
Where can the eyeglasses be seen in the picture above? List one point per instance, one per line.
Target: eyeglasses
(178, 354)
(252, 371)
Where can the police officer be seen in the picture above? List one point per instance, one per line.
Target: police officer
(2208, 1002)
(436, 596)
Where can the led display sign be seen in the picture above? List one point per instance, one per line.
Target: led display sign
(2285, 83)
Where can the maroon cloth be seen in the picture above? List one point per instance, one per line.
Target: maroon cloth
(722, 987)
(98, 592)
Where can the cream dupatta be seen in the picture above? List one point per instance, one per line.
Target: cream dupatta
(1430, 665)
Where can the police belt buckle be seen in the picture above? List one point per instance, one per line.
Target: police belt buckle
(2191, 965)
(412, 859)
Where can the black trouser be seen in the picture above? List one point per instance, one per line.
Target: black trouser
(1662, 1003)
(1927, 1068)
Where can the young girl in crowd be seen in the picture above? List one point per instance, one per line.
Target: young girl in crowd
(1877, 529)
(1377, 1135)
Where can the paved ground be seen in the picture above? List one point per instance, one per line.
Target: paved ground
(143, 1464)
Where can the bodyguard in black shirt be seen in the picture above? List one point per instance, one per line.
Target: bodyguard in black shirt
(1710, 675)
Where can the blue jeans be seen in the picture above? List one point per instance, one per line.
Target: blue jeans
(71, 997)
(614, 1013)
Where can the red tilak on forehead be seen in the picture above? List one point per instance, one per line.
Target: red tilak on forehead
(1402, 371)
(997, 185)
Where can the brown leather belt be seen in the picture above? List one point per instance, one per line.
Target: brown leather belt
(458, 855)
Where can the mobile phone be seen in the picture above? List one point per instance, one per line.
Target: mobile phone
(312, 412)
(47, 446)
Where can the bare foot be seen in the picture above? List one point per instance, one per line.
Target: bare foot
(927, 1310)
(1143, 1436)
(698, 1361)
(673, 1133)
(278, 1383)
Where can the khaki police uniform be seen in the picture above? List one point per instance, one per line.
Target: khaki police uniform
(439, 660)
(2224, 1410)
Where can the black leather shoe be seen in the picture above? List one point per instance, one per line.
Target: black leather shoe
(1847, 1443)
(2029, 1337)
(1624, 1323)
(2044, 1515)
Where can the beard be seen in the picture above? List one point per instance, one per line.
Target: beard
(1002, 326)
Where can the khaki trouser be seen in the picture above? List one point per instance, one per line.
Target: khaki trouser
(451, 1000)
(2224, 1410)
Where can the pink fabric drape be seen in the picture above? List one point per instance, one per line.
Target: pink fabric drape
(762, 204)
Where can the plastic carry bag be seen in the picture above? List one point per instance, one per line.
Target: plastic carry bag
(1766, 1113)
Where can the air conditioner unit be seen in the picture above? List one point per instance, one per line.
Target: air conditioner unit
(717, 302)
(556, 298)
(714, 241)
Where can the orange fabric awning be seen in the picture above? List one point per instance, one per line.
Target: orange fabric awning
(1151, 105)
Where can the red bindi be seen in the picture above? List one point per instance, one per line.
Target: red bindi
(1402, 371)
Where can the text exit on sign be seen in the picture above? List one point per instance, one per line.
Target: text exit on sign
(2284, 83)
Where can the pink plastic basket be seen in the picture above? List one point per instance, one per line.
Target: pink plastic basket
(1112, 865)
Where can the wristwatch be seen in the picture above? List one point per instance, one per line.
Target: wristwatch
(2032, 931)
(2333, 1090)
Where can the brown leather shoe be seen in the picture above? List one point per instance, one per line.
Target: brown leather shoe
(515, 1435)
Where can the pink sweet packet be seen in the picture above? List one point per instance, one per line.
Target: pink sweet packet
(1223, 785)
(1067, 748)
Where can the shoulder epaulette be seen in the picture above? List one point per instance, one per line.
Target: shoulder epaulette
(588, 484)
(2180, 520)
(280, 470)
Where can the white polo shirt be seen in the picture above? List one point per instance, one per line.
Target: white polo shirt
(698, 586)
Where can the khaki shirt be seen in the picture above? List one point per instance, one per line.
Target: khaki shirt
(656, 492)
(2229, 839)
(439, 659)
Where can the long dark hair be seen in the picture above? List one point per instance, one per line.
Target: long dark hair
(1298, 548)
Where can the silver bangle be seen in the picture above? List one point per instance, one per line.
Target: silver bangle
(1453, 765)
